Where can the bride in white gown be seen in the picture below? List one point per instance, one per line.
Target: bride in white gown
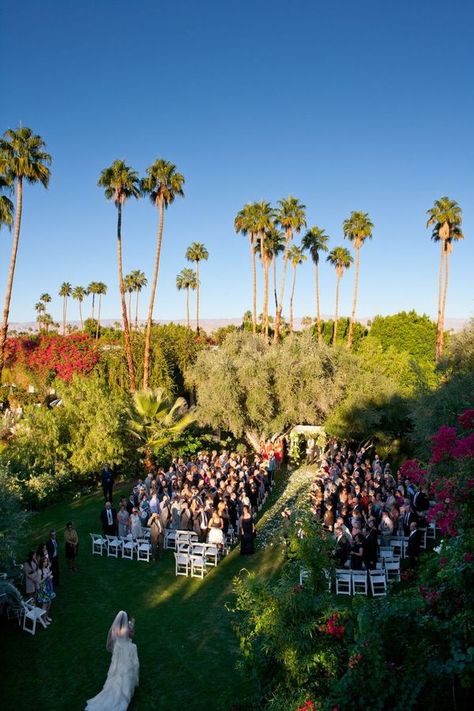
(123, 671)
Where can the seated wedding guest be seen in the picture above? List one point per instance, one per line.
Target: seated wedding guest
(108, 518)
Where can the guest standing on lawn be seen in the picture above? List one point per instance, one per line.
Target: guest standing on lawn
(71, 541)
(247, 532)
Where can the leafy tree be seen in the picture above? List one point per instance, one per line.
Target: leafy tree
(14, 519)
(22, 157)
(162, 184)
(6, 205)
(120, 182)
(79, 294)
(65, 292)
(291, 216)
(315, 241)
(197, 253)
(406, 332)
(187, 280)
(446, 218)
(357, 228)
(296, 257)
(340, 259)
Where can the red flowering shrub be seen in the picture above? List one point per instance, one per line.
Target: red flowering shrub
(333, 627)
(466, 419)
(412, 470)
(443, 443)
(62, 356)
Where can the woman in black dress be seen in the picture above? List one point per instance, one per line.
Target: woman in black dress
(247, 532)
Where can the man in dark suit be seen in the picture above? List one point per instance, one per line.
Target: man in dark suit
(53, 551)
(370, 547)
(409, 517)
(107, 482)
(413, 545)
(108, 518)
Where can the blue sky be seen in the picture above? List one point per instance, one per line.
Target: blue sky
(347, 105)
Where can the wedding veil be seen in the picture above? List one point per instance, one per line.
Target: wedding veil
(120, 630)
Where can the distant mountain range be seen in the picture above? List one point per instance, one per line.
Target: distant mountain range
(212, 324)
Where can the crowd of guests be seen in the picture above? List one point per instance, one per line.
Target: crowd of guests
(358, 497)
(210, 493)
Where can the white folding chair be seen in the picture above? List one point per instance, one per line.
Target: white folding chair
(143, 549)
(386, 552)
(181, 564)
(378, 583)
(397, 546)
(431, 530)
(198, 566)
(423, 538)
(343, 582)
(182, 546)
(359, 582)
(170, 539)
(303, 575)
(392, 571)
(98, 543)
(114, 546)
(211, 553)
(32, 615)
(128, 548)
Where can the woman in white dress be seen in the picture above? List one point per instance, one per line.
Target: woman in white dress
(135, 524)
(123, 671)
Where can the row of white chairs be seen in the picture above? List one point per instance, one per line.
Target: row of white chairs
(356, 582)
(128, 547)
(196, 559)
(173, 538)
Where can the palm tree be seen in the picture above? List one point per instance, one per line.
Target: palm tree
(295, 256)
(40, 309)
(244, 223)
(263, 214)
(316, 241)
(79, 294)
(46, 298)
(120, 182)
(129, 289)
(22, 157)
(65, 291)
(357, 228)
(187, 279)
(139, 282)
(163, 183)
(6, 205)
(341, 259)
(291, 217)
(101, 291)
(197, 253)
(92, 289)
(446, 218)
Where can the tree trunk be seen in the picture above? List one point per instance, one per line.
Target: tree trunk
(97, 329)
(318, 313)
(254, 439)
(197, 297)
(80, 315)
(64, 314)
(276, 336)
(291, 299)
(126, 329)
(336, 315)
(266, 269)
(440, 343)
(11, 272)
(354, 302)
(188, 323)
(93, 305)
(254, 284)
(129, 307)
(275, 282)
(149, 322)
(136, 310)
(440, 299)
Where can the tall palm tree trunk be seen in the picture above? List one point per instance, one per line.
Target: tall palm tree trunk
(197, 298)
(64, 315)
(440, 335)
(97, 329)
(440, 300)
(130, 307)
(188, 322)
(159, 239)
(275, 282)
(136, 310)
(254, 284)
(336, 314)
(318, 312)
(266, 269)
(80, 315)
(93, 305)
(126, 329)
(354, 301)
(291, 299)
(11, 273)
(282, 290)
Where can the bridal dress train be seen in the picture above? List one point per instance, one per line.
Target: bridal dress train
(123, 674)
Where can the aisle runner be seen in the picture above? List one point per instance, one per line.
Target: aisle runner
(269, 527)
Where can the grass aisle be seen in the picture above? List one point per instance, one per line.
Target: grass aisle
(186, 645)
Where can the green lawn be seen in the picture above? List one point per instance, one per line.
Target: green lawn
(186, 645)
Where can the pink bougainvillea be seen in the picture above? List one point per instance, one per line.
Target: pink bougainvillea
(443, 443)
(63, 356)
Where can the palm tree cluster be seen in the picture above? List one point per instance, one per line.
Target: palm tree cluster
(271, 231)
(135, 281)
